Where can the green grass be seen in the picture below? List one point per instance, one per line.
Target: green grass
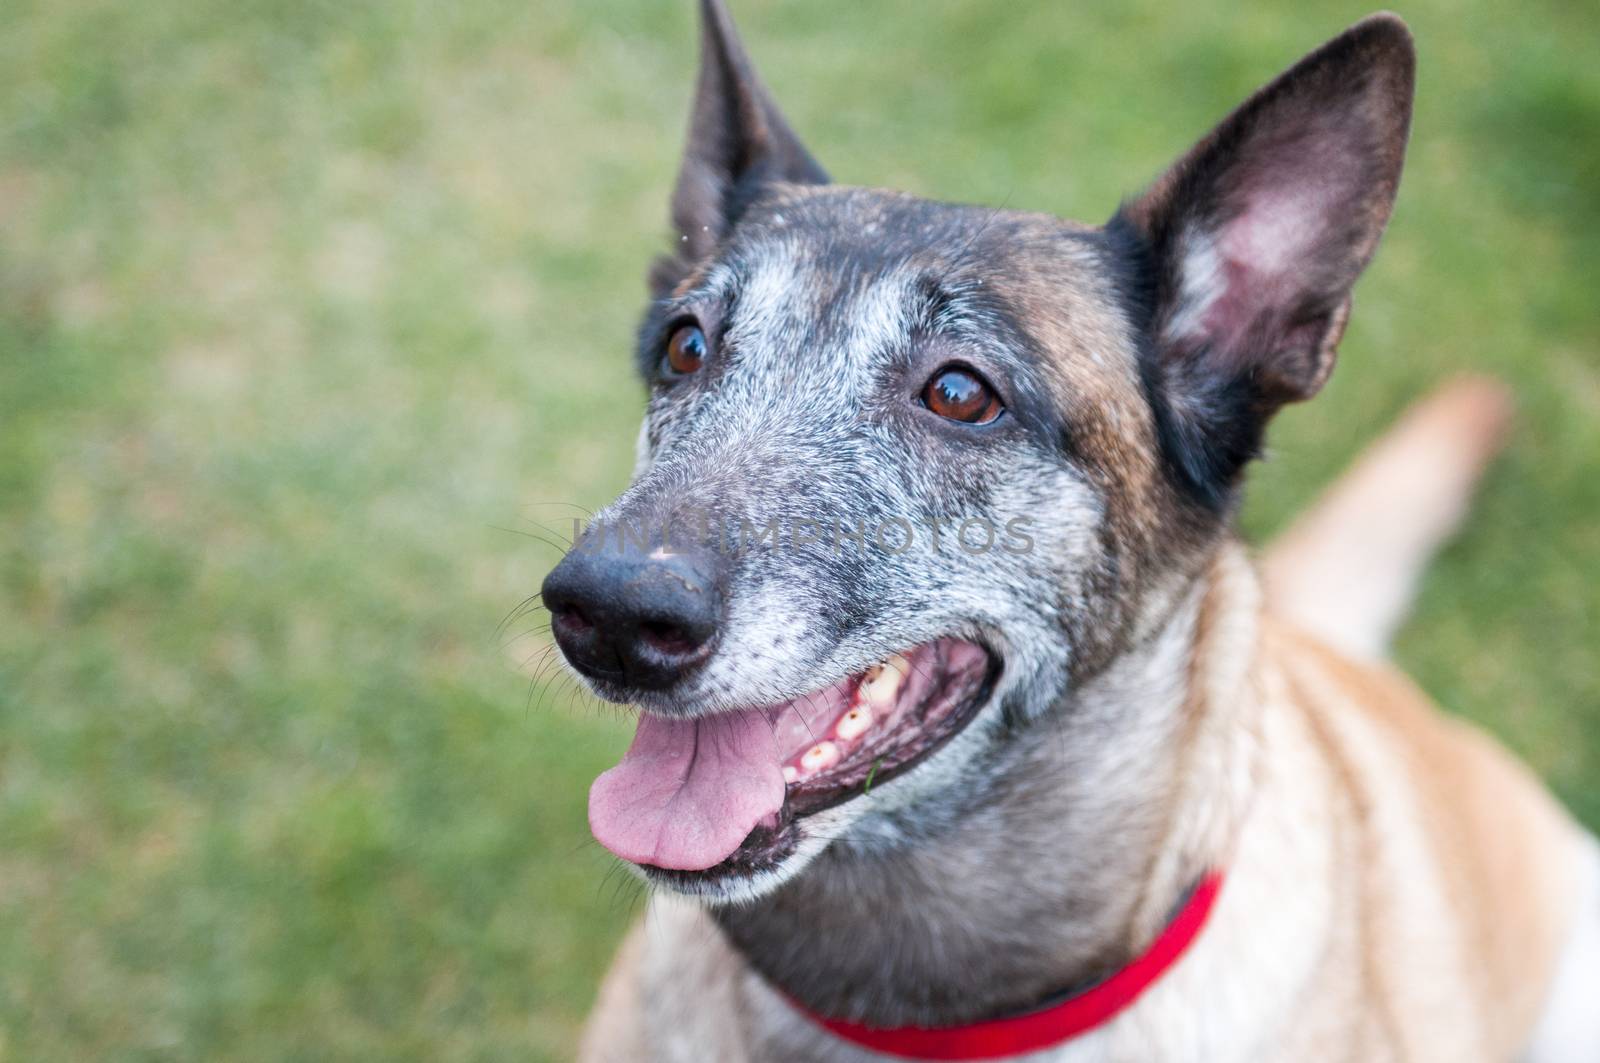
(312, 312)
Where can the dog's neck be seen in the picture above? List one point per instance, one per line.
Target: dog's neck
(1068, 860)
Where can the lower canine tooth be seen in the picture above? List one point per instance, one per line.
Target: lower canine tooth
(854, 723)
(819, 757)
(790, 774)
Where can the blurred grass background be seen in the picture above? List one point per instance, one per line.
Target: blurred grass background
(313, 312)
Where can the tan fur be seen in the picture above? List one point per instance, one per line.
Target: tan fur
(1068, 304)
(1433, 792)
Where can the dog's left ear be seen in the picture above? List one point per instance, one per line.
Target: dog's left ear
(738, 141)
(1250, 244)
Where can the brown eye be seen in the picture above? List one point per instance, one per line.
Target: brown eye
(961, 395)
(686, 349)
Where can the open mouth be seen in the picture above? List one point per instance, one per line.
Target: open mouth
(720, 794)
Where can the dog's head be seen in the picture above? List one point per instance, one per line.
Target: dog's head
(910, 471)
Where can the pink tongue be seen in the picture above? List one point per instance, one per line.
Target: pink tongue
(688, 791)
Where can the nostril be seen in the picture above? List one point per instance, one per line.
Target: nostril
(668, 638)
(571, 619)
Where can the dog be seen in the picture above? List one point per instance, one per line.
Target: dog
(967, 728)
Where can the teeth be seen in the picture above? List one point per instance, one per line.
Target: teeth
(819, 757)
(853, 724)
(882, 685)
(875, 696)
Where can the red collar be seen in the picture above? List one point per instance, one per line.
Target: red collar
(1052, 1024)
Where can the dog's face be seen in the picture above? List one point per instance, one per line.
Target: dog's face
(910, 471)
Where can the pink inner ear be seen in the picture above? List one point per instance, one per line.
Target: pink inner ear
(1278, 228)
(1238, 279)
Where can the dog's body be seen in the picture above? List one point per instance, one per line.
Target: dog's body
(1084, 726)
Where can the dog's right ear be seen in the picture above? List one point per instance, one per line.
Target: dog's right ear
(738, 141)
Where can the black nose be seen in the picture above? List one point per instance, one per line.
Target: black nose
(631, 617)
